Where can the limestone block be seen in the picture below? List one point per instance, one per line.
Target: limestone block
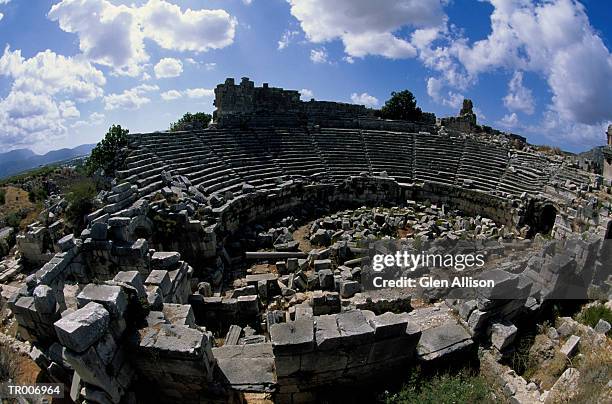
(179, 314)
(82, 328)
(293, 337)
(66, 243)
(355, 328)
(99, 231)
(113, 298)
(132, 278)
(159, 278)
(602, 326)
(165, 260)
(571, 345)
(349, 288)
(91, 370)
(446, 339)
(326, 279)
(503, 334)
(44, 299)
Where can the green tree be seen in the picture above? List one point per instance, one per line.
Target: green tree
(189, 121)
(37, 194)
(107, 154)
(80, 202)
(402, 106)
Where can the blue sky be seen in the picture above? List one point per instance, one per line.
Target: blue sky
(69, 69)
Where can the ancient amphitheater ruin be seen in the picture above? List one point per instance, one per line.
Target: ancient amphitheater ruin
(231, 260)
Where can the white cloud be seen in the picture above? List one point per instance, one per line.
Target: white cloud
(95, 119)
(199, 92)
(519, 98)
(306, 94)
(210, 66)
(366, 27)
(171, 95)
(247, 2)
(189, 93)
(5, 1)
(286, 39)
(192, 30)
(450, 98)
(348, 60)
(168, 67)
(131, 99)
(364, 99)
(53, 74)
(318, 55)
(1, 16)
(552, 38)
(509, 121)
(113, 35)
(43, 95)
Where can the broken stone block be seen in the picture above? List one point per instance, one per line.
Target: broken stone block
(82, 328)
(245, 291)
(571, 345)
(132, 278)
(66, 243)
(602, 326)
(326, 279)
(155, 297)
(466, 308)
(354, 327)
(113, 298)
(179, 314)
(293, 337)
(91, 370)
(44, 299)
(388, 325)
(443, 340)
(160, 278)
(99, 231)
(165, 260)
(281, 267)
(292, 265)
(502, 334)
(322, 264)
(233, 335)
(349, 288)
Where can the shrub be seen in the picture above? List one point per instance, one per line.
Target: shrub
(37, 194)
(402, 106)
(7, 363)
(106, 155)
(2, 196)
(199, 120)
(80, 202)
(463, 387)
(591, 315)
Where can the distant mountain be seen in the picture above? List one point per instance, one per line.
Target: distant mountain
(16, 161)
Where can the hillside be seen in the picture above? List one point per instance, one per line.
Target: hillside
(16, 161)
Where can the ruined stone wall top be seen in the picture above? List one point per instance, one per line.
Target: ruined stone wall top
(246, 102)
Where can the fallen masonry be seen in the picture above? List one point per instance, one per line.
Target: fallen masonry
(234, 259)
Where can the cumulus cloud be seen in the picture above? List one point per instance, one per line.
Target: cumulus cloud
(95, 119)
(133, 98)
(519, 98)
(449, 98)
(168, 67)
(509, 121)
(366, 27)
(171, 95)
(113, 35)
(189, 93)
(1, 16)
(286, 39)
(43, 95)
(318, 55)
(553, 39)
(306, 94)
(364, 99)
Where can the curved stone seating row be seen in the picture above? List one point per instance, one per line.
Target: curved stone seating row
(343, 152)
(481, 166)
(437, 158)
(218, 160)
(391, 152)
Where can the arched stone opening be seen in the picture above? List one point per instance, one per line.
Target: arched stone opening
(547, 218)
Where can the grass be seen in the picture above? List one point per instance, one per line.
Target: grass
(444, 388)
(591, 315)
